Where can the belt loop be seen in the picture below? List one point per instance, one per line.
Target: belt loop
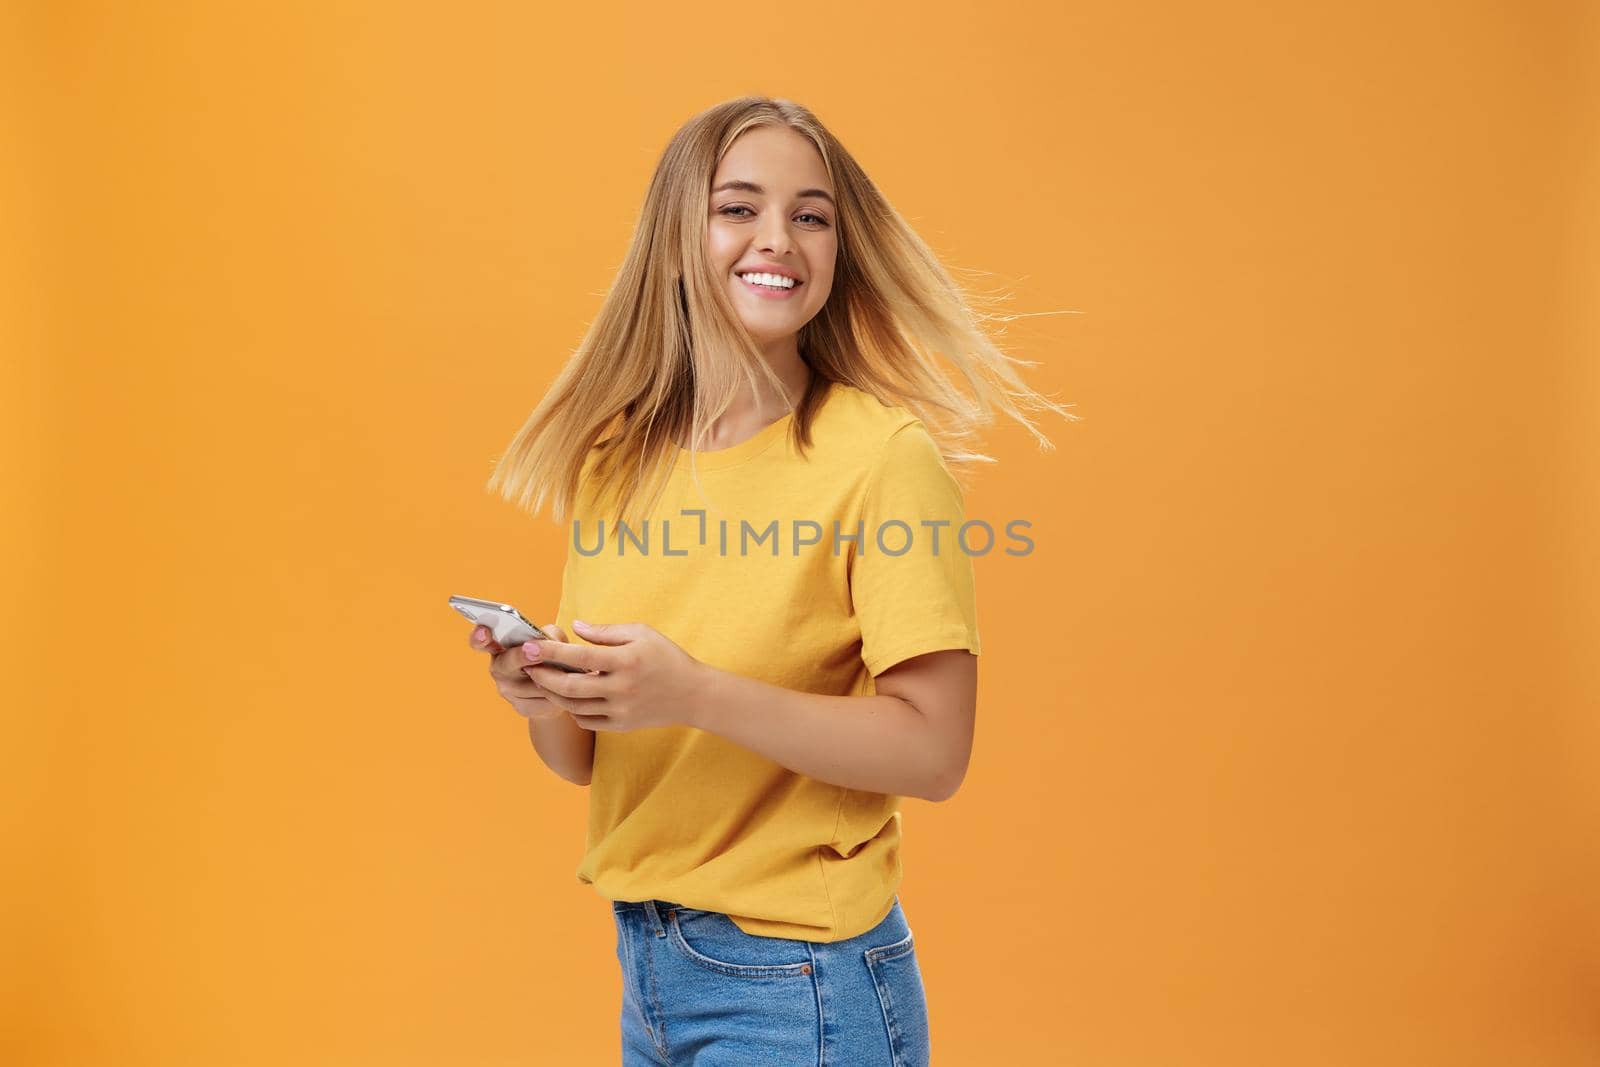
(655, 918)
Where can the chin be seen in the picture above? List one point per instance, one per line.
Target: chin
(763, 336)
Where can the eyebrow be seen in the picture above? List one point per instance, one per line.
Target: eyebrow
(752, 187)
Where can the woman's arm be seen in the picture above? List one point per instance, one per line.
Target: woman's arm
(914, 738)
(565, 747)
(911, 738)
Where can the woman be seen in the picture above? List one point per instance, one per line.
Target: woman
(770, 590)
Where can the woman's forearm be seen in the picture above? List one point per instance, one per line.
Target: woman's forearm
(565, 747)
(879, 744)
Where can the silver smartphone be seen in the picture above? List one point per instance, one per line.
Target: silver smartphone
(506, 623)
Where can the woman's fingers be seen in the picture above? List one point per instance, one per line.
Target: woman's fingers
(503, 663)
(588, 687)
(553, 679)
(482, 639)
(518, 685)
(535, 707)
(526, 697)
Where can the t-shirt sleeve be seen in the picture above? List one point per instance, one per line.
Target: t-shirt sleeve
(565, 596)
(911, 584)
(577, 519)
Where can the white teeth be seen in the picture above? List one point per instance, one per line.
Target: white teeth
(776, 281)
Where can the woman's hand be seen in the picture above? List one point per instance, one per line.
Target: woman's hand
(508, 669)
(643, 679)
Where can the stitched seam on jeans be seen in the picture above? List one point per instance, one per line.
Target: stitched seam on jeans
(660, 1035)
(816, 983)
(892, 951)
(630, 982)
(735, 970)
(886, 1003)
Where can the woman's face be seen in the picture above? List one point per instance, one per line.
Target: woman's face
(772, 207)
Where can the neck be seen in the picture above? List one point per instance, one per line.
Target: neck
(784, 359)
(749, 412)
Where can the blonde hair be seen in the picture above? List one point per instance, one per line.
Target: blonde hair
(663, 357)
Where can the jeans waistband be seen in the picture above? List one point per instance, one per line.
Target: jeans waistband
(652, 908)
(645, 905)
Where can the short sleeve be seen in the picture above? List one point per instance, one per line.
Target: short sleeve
(564, 605)
(911, 581)
(578, 519)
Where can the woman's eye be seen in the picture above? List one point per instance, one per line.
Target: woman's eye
(730, 209)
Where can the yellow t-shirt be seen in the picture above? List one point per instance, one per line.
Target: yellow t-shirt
(681, 814)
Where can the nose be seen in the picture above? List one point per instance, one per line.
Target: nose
(773, 236)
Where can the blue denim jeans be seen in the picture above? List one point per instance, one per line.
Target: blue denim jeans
(697, 990)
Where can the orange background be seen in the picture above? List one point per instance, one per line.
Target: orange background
(1287, 738)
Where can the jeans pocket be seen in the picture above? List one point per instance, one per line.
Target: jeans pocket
(905, 1006)
(711, 940)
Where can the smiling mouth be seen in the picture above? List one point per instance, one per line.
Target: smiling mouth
(747, 279)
